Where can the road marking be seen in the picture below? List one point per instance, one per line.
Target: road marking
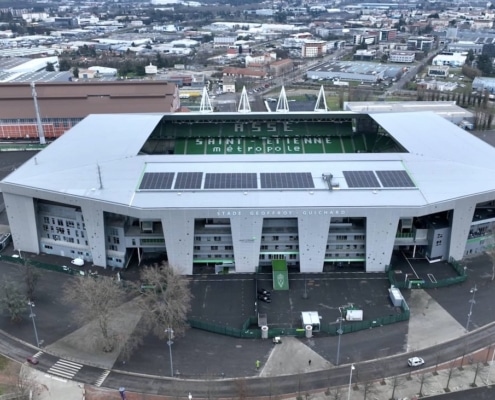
(102, 378)
(65, 369)
(38, 354)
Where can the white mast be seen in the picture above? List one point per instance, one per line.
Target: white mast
(321, 102)
(282, 104)
(244, 106)
(205, 105)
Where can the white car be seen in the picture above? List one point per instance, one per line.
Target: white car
(415, 361)
(78, 261)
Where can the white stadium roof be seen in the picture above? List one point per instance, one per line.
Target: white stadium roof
(444, 162)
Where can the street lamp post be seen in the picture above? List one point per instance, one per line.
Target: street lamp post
(350, 382)
(340, 332)
(170, 343)
(473, 302)
(32, 315)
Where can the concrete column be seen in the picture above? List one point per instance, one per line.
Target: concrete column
(178, 228)
(381, 228)
(461, 223)
(94, 223)
(22, 221)
(313, 238)
(246, 239)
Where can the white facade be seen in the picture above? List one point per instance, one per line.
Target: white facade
(401, 56)
(453, 60)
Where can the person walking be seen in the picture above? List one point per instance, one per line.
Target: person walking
(257, 364)
(309, 362)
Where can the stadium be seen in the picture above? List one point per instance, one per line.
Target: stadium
(240, 191)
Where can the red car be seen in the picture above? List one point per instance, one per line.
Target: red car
(32, 360)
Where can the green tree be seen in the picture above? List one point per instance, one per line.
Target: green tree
(64, 64)
(470, 57)
(50, 67)
(485, 65)
(75, 72)
(12, 300)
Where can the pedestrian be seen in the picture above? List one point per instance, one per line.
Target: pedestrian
(309, 362)
(257, 364)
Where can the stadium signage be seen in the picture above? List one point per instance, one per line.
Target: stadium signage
(277, 213)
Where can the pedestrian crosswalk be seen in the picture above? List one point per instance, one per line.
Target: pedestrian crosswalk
(65, 369)
(102, 378)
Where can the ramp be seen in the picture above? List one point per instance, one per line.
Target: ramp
(280, 275)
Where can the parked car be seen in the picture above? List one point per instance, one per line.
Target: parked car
(264, 292)
(415, 361)
(264, 298)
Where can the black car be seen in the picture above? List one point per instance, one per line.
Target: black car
(264, 298)
(264, 292)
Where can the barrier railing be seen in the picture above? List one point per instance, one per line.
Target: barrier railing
(423, 284)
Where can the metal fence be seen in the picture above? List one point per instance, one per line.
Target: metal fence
(38, 264)
(423, 284)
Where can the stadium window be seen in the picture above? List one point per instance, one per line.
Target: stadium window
(46, 220)
(341, 237)
(229, 247)
(197, 248)
(214, 247)
(60, 222)
(217, 238)
(197, 238)
(116, 240)
(274, 237)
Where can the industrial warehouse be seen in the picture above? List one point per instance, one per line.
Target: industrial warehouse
(238, 191)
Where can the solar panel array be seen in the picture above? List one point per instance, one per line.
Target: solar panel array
(231, 181)
(157, 181)
(188, 180)
(395, 179)
(282, 180)
(287, 180)
(361, 179)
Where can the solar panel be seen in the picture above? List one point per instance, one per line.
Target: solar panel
(231, 181)
(188, 180)
(361, 179)
(398, 178)
(157, 181)
(287, 180)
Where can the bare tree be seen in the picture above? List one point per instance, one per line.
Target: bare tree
(490, 252)
(337, 394)
(369, 389)
(423, 379)
(31, 278)
(12, 301)
(96, 299)
(396, 383)
(478, 366)
(18, 380)
(167, 302)
(450, 375)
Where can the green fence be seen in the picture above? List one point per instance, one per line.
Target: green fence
(423, 284)
(354, 326)
(38, 264)
(22, 147)
(250, 330)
